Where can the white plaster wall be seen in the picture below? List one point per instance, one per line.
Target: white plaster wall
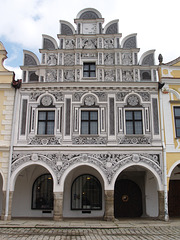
(151, 195)
(21, 205)
(67, 212)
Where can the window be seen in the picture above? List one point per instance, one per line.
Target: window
(134, 122)
(42, 193)
(177, 120)
(46, 122)
(89, 122)
(89, 70)
(86, 193)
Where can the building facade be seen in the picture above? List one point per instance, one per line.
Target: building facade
(87, 140)
(169, 77)
(7, 94)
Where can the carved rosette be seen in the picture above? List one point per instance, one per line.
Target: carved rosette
(89, 101)
(109, 163)
(46, 101)
(133, 100)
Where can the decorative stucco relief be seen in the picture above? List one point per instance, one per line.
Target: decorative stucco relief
(51, 75)
(44, 141)
(69, 59)
(109, 75)
(69, 75)
(108, 43)
(89, 140)
(52, 59)
(88, 43)
(69, 43)
(134, 140)
(109, 163)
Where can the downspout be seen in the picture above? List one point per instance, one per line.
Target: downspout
(16, 86)
(166, 215)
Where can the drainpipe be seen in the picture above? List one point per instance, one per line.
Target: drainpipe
(11, 146)
(166, 215)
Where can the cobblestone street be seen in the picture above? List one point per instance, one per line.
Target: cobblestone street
(92, 231)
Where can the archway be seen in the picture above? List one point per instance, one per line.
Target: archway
(83, 193)
(136, 193)
(33, 193)
(127, 199)
(174, 193)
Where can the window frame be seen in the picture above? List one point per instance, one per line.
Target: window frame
(89, 121)
(142, 120)
(81, 192)
(176, 118)
(89, 63)
(37, 120)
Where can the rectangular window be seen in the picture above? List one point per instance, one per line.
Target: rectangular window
(89, 122)
(134, 122)
(89, 70)
(46, 122)
(177, 120)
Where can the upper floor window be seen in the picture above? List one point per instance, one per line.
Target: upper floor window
(46, 121)
(134, 123)
(177, 120)
(89, 122)
(89, 70)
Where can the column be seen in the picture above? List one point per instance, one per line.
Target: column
(109, 205)
(58, 206)
(3, 205)
(161, 204)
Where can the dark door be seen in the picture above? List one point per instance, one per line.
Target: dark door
(127, 199)
(174, 198)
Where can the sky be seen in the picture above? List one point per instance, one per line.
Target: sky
(22, 23)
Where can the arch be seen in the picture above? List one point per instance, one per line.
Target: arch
(147, 58)
(30, 58)
(135, 101)
(42, 192)
(112, 27)
(89, 95)
(129, 41)
(76, 165)
(172, 168)
(89, 13)
(23, 166)
(86, 193)
(51, 44)
(3, 181)
(66, 28)
(46, 94)
(147, 167)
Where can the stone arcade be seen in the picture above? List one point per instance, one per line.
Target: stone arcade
(87, 140)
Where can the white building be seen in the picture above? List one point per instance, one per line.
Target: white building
(87, 140)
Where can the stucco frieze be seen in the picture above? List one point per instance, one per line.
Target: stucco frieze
(109, 163)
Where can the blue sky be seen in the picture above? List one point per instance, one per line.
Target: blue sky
(22, 23)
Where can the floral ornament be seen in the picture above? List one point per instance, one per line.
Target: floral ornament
(89, 101)
(46, 101)
(133, 100)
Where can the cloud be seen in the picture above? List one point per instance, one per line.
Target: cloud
(24, 22)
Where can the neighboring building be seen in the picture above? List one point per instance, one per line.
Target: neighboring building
(87, 138)
(7, 93)
(169, 75)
